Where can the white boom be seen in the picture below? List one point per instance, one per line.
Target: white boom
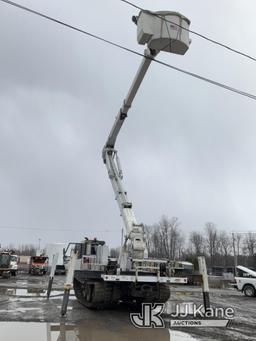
(99, 280)
(153, 30)
(134, 232)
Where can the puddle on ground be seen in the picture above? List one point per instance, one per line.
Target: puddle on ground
(31, 292)
(21, 292)
(86, 331)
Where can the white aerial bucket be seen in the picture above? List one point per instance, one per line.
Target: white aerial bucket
(163, 31)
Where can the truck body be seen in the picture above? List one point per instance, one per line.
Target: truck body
(99, 281)
(246, 281)
(38, 265)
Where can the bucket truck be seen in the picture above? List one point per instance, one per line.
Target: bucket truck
(99, 279)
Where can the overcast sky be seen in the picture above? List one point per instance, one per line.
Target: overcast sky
(187, 148)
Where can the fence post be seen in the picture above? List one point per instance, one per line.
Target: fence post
(69, 283)
(51, 277)
(205, 283)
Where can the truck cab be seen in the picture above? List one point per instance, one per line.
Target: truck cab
(14, 264)
(5, 264)
(38, 265)
(246, 281)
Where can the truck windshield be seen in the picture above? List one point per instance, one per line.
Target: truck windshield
(40, 260)
(4, 261)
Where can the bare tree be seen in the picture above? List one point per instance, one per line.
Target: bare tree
(197, 242)
(212, 241)
(225, 245)
(149, 231)
(180, 247)
(114, 252)
(164, 239)
(250, 244)
(23, 249)
(169, 236)
(238, 242)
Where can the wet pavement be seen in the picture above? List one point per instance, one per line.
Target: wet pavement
(86, 331)
(26, 315)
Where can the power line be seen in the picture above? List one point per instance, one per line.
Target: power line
(210, 81)
(191, 31)
(30, 228)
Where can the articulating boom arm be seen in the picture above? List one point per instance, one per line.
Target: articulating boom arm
(134, 233)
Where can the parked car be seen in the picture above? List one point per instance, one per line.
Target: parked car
(60, 270)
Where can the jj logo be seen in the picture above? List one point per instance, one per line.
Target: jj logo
(150, 316)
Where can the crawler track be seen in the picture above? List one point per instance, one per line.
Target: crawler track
(99, 294)
(93, 294)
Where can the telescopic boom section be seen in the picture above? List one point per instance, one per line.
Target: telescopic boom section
(134, 232)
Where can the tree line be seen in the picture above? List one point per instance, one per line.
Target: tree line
(166, 239)
(21, 250)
